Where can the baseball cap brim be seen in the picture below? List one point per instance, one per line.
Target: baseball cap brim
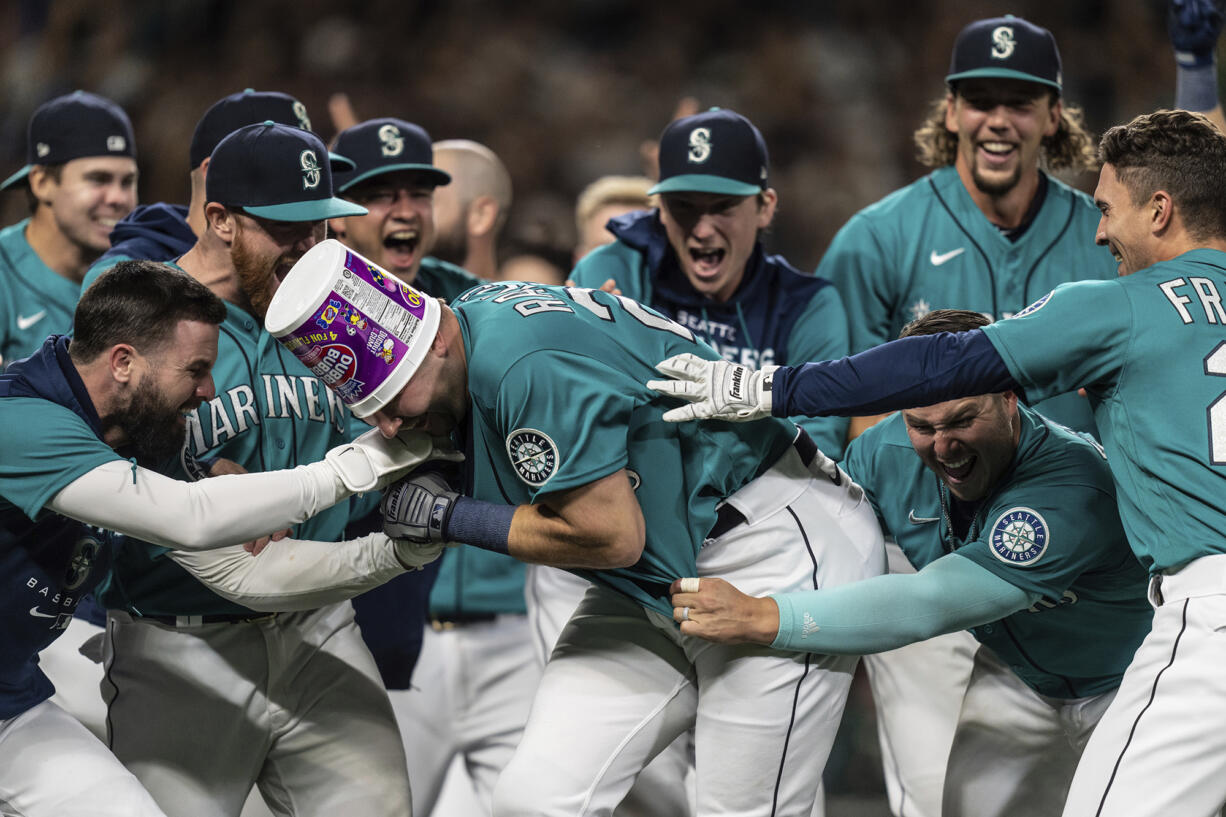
(439, 177)
(315, 210)
(701, 183)
(339, 163)
(1001, 73)
(16, 178)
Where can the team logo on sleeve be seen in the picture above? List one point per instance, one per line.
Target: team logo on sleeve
(1019, 537)
(533, 454)
(1034, 307)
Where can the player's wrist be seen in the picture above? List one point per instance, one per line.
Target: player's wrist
(478, 523)
(766, 384)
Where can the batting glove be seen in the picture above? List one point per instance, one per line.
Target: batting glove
(415, 555)
(1194, 26)
(371, 461)
(418, 509)
(716, 389)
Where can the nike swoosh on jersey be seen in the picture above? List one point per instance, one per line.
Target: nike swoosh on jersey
(939, 258)
(921, 520)
(24, 322)
(34, 611)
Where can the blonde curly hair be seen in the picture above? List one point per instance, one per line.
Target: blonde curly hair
(1071, 147)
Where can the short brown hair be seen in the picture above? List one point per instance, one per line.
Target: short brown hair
(1071, 147)
(945, 320)
(1180, 152)
(139, 303)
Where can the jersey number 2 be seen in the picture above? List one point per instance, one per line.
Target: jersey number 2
(1215, 364)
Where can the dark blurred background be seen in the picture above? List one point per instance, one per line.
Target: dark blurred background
(566, 90)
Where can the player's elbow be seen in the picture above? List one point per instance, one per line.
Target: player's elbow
(619, 547)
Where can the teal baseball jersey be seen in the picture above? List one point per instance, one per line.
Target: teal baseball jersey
(1150, 348)
(1050, 528)
(928, 246)
(35, 301)
(556, 379)
(270, 412)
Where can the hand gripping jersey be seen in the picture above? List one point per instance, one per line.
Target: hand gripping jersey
(1133, 342)
(35, 301)
(778, 315)
(556, 381)
(928, 246)
(1050, 528)
(50, 435)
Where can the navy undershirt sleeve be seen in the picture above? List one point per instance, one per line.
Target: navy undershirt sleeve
(915, 371)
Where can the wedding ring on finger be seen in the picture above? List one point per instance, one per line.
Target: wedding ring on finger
(685, 614)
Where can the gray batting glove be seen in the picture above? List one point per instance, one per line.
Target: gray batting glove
(371, 462)
(715, 389)
(415, 555)
(417, 510)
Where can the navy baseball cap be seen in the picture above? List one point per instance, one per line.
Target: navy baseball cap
(275, 171)
(74, 126)
(249, 107)
(379, 146)
(718, 151)
(1006, 48)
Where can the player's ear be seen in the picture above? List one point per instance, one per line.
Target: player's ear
(1053, 121)
(768, 200)
(1162, 209)
(951, 113)
(221, 221)
(122, 359)
(42, 184)
(482, 215)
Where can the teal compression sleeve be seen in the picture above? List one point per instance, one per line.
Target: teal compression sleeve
(885, 612)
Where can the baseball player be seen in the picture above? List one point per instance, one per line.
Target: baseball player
(1019, 540)
(583, 475)
(469, 213)
(286, 690)
(1146, 348)
(145, 342)
(475, 676)
(163, 231)
(698, 258)
(81, 179)
(988, 230)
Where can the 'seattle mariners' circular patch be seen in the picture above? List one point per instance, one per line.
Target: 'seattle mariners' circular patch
(1019, 537)
(533, 455)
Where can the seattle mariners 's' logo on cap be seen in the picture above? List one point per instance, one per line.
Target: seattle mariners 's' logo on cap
(310, 169)
(1034, 307)
(533, 454)
(1003, 42)
(700, 145)
(391, 140)
(1019, 537)
(299, 110)
(84, 554)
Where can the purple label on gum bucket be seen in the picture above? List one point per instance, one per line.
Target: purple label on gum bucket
(363, 328)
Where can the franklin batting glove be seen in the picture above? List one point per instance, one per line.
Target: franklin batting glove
(418, 509)
(715, 389)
